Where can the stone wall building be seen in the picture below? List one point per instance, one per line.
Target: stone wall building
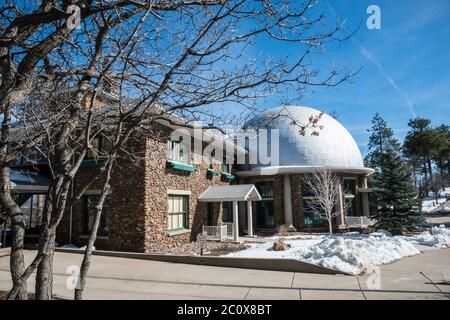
(160, 202)
(152, 204)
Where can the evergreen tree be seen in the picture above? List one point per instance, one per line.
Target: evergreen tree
(441, 153)
(399, 210)
(420, 142)
(380, 139)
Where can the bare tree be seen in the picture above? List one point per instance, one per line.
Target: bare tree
(170, 58)
(324, 187)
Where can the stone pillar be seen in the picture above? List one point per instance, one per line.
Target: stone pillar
(220, 217)
(235, 221)
(288, 203)
(341, 207)
(249, 219)
(365, 200)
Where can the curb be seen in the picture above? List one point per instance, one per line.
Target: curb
(287, 265)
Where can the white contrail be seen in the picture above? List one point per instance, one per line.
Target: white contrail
(391, 81)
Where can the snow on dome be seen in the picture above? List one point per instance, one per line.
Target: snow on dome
(333, 147)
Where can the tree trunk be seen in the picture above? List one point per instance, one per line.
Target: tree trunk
(330, 226)
(44, 274)
(93, 235)
(17, 262)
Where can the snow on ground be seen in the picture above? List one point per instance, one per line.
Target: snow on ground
(430, 203)
(438, 238)
(350, 252)
(72, 246)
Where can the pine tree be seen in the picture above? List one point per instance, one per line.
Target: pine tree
(380, 139)
(399, 210)
(420, 143)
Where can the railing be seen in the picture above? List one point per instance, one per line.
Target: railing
(230, 229)
(363, 222)
(221, 233)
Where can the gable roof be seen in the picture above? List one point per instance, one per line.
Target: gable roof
(241, 192)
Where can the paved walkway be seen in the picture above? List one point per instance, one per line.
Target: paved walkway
(121, 278)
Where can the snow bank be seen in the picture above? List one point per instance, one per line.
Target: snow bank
(72, 246)
(430, 203)
(438, 238)
(352, 253)
(69, 246)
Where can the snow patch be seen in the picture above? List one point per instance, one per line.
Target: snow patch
(430, 203)
(438, 238)
(72, 246)
(351, 253)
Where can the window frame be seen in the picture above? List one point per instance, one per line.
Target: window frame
(103, 218)
(260, 205)
(101, 147)
(185, 213)
(184, 159)
(307, 210)
(350, 197)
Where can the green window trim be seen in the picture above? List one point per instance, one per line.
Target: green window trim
(92, 163)
(185, 213)
(177, 229)
(228, 176)
(181, 166)
(213, 172)
(225, 168)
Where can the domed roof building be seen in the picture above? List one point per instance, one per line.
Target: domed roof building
(302, 140)
(326, 145)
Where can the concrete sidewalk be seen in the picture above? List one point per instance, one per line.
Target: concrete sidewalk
(121, 278)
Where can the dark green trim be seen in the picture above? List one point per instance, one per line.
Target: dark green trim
(213, 172)
(186, 215)
(177, 229)
(228, 176)
(225, 168)
(91, 163)
(181, 166)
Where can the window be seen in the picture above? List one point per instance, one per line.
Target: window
(311, 219)
(179, 151)
(225, 166)
(349, 190)
(227, 211)
(90, 210)
(178, 212)
(100, 145)
(265, 213)
(32, 210)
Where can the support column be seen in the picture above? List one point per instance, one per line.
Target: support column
(341, 207)
(288, 203)
(235, 221)
(249, 219)
(365, 200)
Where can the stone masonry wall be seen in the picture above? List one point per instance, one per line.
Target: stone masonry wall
(125, 213)
(158, 179)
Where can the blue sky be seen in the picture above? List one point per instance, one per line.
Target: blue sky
(405, 66)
